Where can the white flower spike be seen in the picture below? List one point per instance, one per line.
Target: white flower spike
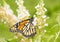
(22, 11)
(40, 15)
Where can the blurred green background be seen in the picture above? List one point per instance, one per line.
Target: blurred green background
(53, 12)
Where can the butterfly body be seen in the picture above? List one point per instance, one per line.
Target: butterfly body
(26, 28)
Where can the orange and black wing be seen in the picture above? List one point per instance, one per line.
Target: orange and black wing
(26, 28)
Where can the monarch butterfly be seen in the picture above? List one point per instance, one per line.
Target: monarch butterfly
(26, 28)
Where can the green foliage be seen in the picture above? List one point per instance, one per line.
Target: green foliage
(53, 29)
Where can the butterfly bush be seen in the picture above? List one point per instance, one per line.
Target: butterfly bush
(22, 11)
(6, 15)
(40, 16)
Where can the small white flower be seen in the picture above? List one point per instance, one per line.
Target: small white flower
(34, 23)
(44, 20)
(43, 4)
(44, 16)
(4, 22)
(38, 6)
(21, 15)
(19, 2)
(45, 9)
(39, 27)
(46, 24)
(39, 13)
(34, 16)
(22, 39)
(44, 30)
(22, 2)
(16, 1)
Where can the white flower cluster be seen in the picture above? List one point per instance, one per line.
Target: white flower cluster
(7, 15)
(40, 15)
(22, 11)
(39, 18)
(8, 10)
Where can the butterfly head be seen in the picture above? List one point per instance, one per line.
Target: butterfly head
(31, 19)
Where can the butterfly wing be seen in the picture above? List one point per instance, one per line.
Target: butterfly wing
(26, 28)
(14, 28)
